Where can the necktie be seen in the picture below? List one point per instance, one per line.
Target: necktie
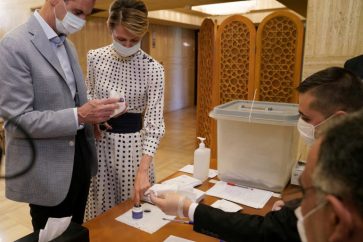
(58, 40)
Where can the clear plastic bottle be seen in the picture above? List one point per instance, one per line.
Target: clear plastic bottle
(201, 161)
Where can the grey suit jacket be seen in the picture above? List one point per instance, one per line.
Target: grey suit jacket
(33, 90)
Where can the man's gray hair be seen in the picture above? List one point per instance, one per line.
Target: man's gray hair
(339, 167)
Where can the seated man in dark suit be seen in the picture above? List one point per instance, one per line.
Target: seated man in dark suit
(324, 95)
(332, 184)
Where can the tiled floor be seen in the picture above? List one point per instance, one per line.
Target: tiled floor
(175, 150)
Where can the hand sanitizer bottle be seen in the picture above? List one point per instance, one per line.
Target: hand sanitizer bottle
(201, 161)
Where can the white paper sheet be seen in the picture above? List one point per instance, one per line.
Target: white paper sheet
(226, 206)
(183, 181)
(190, 169)
(173, 238)
(150, 222)
(251, 197)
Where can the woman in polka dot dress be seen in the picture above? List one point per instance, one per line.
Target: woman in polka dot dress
(125, 152)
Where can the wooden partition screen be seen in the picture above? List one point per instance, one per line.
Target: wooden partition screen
(206, 75)
(235, 58)
(279, 46)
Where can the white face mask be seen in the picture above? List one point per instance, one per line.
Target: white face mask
(70, 23)
(125, 51)
(301, 219)
(308, 131)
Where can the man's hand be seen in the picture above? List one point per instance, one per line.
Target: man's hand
(172, 203)
(97, 110)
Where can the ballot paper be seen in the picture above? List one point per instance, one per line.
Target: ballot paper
(150, 222)
(183, 180)
(173, 238)
(226, 206)
(190, 169)
(251, 197)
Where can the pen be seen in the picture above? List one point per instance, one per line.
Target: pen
(236, 185)
(178, 221)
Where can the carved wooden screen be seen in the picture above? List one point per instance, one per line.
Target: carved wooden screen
(205, 103)
(278, 57)
(235, 58)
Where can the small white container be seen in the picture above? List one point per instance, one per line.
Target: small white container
(256, 143)
(201, 161)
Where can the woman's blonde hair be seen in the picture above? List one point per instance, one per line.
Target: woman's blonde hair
(131, 14)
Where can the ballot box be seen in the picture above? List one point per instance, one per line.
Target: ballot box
(256, 143)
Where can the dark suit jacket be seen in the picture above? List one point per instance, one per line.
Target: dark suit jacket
(278, 226)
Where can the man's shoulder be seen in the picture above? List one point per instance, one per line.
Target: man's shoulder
(15, 35)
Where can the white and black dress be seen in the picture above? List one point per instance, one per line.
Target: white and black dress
(141, 79)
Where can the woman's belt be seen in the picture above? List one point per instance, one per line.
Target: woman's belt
(125, 123)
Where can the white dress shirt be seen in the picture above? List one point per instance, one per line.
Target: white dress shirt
(62, 57)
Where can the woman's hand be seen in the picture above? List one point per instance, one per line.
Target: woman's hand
(142, 182)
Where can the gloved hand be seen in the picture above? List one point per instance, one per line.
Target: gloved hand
(172, 203)
(277, 205)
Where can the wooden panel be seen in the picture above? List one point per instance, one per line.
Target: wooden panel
(174, 48)
(334, 33)
(94, 35)
(14, 13)
(235, 58)
(278, 57)
(206, 73)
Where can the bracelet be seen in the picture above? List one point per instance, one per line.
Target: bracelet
(180, 207)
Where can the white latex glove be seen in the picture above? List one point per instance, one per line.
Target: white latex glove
(277, 205)
(172, 203)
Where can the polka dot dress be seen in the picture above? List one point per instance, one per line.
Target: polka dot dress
(141, 79)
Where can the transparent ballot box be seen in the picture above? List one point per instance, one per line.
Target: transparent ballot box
(256, 143)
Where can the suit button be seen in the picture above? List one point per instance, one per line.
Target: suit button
(71, 143)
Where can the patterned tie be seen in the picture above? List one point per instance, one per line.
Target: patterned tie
(58, 40)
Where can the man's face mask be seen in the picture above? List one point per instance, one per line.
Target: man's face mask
(308, 131)
(301, 218)
(70, 23)
(125, 51)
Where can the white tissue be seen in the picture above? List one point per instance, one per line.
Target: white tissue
(54, 228)
(122, 104)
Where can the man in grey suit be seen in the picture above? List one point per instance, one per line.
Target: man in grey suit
(43, 91)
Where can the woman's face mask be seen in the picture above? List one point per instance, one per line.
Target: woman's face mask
(125, 51)
(70, 23)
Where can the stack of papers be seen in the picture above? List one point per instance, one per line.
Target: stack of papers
(190, 169)
(158, 189)
(183, 180)
(251, 197)
(182, 184)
